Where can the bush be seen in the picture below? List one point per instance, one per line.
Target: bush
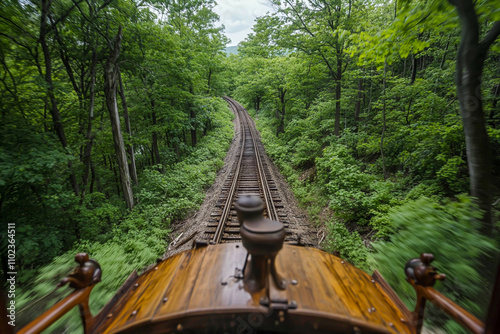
(140, 238)
(348, 245)
(354, 195)
(451, 232)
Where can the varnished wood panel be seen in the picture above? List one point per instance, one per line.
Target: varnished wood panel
(219, 266)
(200, 283)
(383, 309)
(391, 294)
(144, 299)
(180, 291)
(314, 289)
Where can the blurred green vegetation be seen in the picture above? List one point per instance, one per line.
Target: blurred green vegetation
(124, 242)
(60, 179)
(364, 122)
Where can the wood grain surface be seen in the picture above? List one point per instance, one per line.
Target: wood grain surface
(197, 289)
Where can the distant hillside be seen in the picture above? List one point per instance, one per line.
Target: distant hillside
(231, 50)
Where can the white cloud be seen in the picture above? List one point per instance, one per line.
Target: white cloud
(238, 16)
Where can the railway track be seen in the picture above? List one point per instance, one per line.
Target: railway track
(249, 175)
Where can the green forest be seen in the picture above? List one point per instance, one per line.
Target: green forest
(384, 117)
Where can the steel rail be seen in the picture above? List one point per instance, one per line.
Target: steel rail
(236, 175)
(268, 199)
(245, 122)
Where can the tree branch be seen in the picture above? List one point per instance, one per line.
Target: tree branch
(332, 72)
(17, 26)
(490, 37)
(300, 19)
(104, 5)
(64, 16)
(14, 40)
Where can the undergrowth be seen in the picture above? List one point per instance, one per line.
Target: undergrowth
(138, 238)
(398, 216)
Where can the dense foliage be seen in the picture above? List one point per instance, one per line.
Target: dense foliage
(383, 115)
(112, 127)
(357, 104)
(134, 240)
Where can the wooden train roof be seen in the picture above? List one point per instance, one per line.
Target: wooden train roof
(197, 292)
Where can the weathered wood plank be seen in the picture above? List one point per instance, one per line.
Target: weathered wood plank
(200, 284)
(144, 300)
(180, 290)
(219, 266)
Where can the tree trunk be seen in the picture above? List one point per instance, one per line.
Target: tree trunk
(443, 59)
(56, 116)
(192, 119)
(209, 81)
(281, 126)
(383, 124)
(357, 108)
(110, 85)
(89, 137)
(413, 69)
(130, 148)
(470, 60)
(338, 91)
(495, 101)
(154, 146)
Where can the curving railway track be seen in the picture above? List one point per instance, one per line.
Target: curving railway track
(249, 174)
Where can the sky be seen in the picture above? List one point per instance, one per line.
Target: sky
(238, 17)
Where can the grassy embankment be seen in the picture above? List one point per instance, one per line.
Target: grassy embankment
(137, 238)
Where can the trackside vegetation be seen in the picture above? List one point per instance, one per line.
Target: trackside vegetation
(362, 106)
(383, 115)
(111, 128)
(135, 239)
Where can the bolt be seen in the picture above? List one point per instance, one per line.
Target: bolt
(134, 312)
(180, 327)
(110, 315)
(294, 282)
(136, 285)
(165, 299)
